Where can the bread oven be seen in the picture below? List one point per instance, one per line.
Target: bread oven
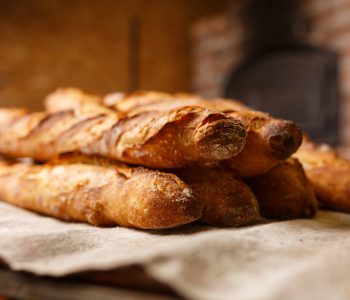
(284, 75)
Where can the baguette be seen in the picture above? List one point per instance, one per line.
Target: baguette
(98, 192)
(269, 140)
(228, 201)
(9, 115)
(329, 175)
(284, 192)
(155, 139)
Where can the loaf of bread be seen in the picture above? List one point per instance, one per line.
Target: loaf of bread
(227, 200)
(103, 192)
(269, 140)
(158, 139)
(9, 115)
(284, 192)
(99, 192)
(328, 173)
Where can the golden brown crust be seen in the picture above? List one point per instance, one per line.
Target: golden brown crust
(329, 175)
(10, 115)
(99, 192)
(140, 101)
(228, 201)
(284, 192)
(74, 99)
(269, 140)
(152, 138)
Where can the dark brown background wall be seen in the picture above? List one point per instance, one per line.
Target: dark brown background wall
(50, 43)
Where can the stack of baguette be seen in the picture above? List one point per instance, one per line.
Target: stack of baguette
(153, 160)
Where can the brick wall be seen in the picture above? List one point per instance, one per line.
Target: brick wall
(331, 28)
(217, 48)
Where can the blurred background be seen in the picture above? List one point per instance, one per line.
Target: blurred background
(287, 57)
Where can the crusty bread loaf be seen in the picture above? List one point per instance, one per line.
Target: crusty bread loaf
(269, 140)
(328, 173)
(284, 192)
(99, 192)
(75, 99)
(227, 200)
(151, 100)
(156, 139)
(103, 192)
(9, 115)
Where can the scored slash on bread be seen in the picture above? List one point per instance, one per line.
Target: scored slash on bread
(227, 200)
(205, 147)
(153, 138)
(269, 140)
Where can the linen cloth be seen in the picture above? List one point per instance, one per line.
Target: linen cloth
(298, 259)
